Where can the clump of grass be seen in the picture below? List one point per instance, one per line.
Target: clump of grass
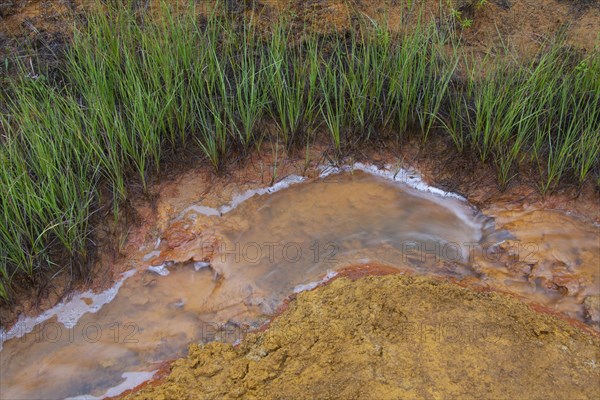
(419, 78)
(48, 179)
(210, 82)
(247, 86)
(293, 70)
(334, 92)
(134, 89)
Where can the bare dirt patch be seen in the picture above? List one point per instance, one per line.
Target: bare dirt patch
(520, 25)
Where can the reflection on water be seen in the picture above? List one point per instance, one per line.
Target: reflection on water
(271, 246)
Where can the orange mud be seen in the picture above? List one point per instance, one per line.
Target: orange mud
(561, 279)
(394, 336)
(157, 219)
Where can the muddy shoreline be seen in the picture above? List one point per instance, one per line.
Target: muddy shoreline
(151, 215)
(162, 228)
(278, 360)
(163, 377)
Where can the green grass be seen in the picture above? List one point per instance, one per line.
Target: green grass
(292, 71)
(134, 91)
(545, 114)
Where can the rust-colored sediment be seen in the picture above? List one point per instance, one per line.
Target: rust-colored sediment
(540, 308)
(393, 336)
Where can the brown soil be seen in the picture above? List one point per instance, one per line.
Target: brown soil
(520, 25)
(394, 337)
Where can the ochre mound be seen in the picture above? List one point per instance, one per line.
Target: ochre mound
(394, 336)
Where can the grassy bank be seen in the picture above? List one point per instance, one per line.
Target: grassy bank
(133, 91)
